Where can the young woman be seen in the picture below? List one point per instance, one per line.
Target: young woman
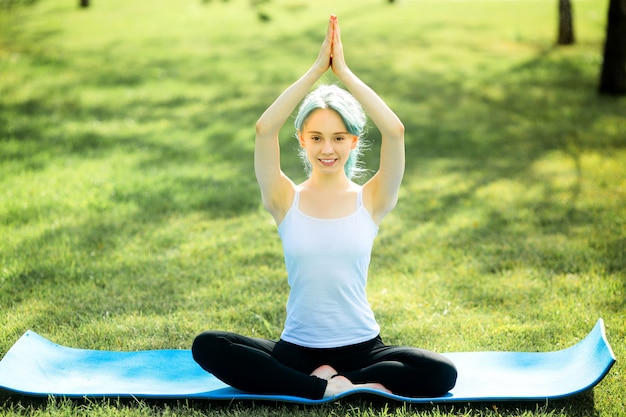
(330, 342)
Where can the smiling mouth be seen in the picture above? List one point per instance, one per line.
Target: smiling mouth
(327, 162)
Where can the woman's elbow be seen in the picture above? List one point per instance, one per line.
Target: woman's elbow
(399, 129)
(266, 127)
(396, 130)
(260, 127)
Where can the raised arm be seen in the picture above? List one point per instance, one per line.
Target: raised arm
(276, 189)
(381, 191)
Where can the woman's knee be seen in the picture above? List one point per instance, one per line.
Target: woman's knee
(206, 346)
(440, 370)
(447, 375)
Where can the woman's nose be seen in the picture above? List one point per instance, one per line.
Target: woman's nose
(328, 148)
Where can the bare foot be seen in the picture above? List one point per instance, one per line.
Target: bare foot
(340, 384)
(324, 372)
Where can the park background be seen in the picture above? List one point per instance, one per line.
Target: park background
(130, 216)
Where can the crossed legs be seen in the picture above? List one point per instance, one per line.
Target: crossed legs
(270, 367)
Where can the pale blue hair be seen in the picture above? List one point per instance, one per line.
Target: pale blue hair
(348, 108)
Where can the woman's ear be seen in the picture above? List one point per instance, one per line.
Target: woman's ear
(300, 138)
(355, 141)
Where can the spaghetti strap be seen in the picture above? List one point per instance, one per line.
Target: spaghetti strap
(296, 198)
(359, 199)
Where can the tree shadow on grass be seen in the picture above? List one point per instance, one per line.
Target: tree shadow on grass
(542, 109)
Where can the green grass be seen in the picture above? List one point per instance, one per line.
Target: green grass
(130, 217)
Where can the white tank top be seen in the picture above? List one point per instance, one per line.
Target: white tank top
(327, 262)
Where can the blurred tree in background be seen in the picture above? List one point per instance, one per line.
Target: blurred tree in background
(566, 23)
(613, 75)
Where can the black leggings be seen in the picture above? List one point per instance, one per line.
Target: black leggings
(269, 367)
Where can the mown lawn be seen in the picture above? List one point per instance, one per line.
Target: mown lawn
(130, 216)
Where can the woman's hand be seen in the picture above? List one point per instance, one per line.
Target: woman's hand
(338, 61)
(324, 59)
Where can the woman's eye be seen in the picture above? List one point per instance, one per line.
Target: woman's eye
(339, 138)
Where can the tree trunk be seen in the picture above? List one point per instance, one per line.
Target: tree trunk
(613, 75)
(84, 4)
(566, 23)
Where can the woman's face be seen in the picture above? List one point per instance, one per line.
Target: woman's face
(327, 141)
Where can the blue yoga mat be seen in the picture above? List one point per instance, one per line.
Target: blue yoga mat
(36, 366)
